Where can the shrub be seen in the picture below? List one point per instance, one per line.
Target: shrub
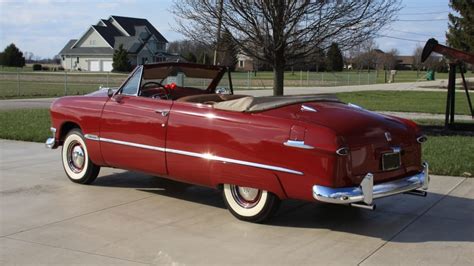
(45, 68)
(37, 67)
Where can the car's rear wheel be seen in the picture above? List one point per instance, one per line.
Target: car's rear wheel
(250, 204)
(76, 162)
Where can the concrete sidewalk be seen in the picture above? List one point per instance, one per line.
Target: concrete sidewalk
(131, 218)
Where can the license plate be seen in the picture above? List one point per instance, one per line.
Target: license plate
(390, 161)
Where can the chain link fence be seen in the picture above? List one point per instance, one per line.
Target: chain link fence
(19, 84)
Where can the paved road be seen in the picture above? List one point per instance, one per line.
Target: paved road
(130, 218)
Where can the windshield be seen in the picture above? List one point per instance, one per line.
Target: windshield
(183, 75)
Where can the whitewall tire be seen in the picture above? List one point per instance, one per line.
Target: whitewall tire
(75, 157)
(250, 204)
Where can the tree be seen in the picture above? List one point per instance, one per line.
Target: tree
(190, 57)
(460, 33)
(334, 60)
(279, 32)
(389, 59)
(433, 62)
(12, 56)
(204, 58)
(228, 51)
(121, 62)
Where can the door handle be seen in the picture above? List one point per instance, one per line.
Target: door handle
(162, 112)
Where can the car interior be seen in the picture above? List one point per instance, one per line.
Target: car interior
(181, 83)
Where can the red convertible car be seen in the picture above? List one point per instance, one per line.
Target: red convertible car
(174, 120)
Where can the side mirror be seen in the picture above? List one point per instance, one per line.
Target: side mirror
(117, 98)
(110, 92)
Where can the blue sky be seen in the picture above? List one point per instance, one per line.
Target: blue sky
(44, 26)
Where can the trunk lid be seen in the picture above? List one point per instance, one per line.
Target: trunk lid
(369, 136)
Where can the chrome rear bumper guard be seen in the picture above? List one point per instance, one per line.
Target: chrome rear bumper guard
(367, 191)
(51, 142)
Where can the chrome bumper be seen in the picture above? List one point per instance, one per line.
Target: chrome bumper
(51, 142)
(367, 191)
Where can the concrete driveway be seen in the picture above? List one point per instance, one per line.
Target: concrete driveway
(131, 218)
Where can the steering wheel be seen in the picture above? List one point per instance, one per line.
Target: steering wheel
(162, 91)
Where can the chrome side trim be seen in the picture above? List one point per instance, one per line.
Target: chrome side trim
(206, 156)
(367, 191)
(297, 144)
(308, 108)
(91, 137)
(131, 144)
(228, 160)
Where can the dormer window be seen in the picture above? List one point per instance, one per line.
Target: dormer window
(92, 42)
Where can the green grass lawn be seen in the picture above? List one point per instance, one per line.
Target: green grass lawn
(406, 101)
(450, 155)
(447, 155)
(25, 124)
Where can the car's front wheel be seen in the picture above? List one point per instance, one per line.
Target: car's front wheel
(250, 204)
(79, 168)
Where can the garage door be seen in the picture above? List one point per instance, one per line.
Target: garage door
(94, 66)
(107, 66)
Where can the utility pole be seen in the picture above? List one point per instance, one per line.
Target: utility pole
(219, 23)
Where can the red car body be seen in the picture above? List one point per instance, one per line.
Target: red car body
(287, 151)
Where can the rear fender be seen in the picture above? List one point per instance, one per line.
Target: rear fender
(228, 173)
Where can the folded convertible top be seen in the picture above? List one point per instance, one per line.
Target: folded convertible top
(251, 104)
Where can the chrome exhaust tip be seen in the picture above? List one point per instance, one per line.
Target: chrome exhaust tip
(418, 193)
(364, 206)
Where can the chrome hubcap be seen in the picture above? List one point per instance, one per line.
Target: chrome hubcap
(246, 197)
(76, 157)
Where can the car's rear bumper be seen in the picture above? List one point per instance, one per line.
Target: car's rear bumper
(367, 191)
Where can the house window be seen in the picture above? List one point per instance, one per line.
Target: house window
(92, 42)
(161, 46)
(77, 59)
(241, 63)
(144, 60)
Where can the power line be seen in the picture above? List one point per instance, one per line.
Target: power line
(398, 38)
(422, 13)
(428, 20)
(414, 33)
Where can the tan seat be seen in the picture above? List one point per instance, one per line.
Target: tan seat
(209, 98)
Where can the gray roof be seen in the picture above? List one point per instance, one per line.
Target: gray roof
(139, 30)
(68, 50)
(129, 24)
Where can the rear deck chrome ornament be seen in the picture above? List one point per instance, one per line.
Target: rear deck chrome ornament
(388, 136)
(308, 108)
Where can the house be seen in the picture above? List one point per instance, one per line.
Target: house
(405, 62)
(244, 63)
(94, 50)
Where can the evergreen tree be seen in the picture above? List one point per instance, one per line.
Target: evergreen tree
(334, 60)
(461, 29)
(228, 51)
(190, 57)
(12, 56)
(121, 63)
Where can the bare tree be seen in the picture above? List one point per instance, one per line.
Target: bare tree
(389, 59)
(279, 31)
